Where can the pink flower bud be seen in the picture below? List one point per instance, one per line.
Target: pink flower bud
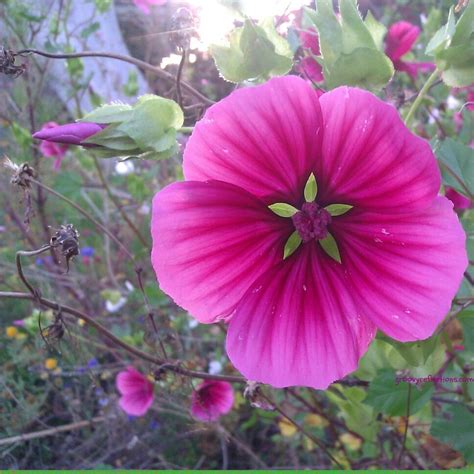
(70, 134)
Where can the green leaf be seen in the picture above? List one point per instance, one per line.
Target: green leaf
(453, 48)
(283, 209)
(88, 30)
(109, 113)
(329, 245)
(338, 209)
(457, 430)
(311, 189)
(254, 52)
(131, 87)
(466, 318)
(415, 353)
(458, 162)
(153, 124)
(457, 63)
(292, 244)
(390, 398)
(363, 67)
(351, 49)
(442, 37)
(376, 29)
(113, 139)
(359, 417)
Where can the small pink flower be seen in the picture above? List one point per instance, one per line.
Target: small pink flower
(136, 391)
(211, 399)
(460, 202)
(144, 5)
(399, 41)
(53, 150)
(308, 66)
(306, 319)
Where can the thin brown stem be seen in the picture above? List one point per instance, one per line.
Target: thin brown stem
(405, 434)
(85, 214)
(179, 78)
(302, 430)
(172, 366)
(31, 253)
(120, 57)
(117, 204)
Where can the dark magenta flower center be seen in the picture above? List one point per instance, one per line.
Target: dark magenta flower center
(312, 222)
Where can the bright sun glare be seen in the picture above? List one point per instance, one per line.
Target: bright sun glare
(216, 20)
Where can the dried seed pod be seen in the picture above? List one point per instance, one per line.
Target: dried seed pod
(7, 63)
(183, 29)
(67, 238)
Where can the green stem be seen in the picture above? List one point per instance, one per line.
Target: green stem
(410, 114)
(186, 129)
(116, 203)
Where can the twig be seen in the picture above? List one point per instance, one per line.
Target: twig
(301, 429)
(179, 77)
(407, 419)
(443, 325)
(31, 253)
(117, 204)
(430, 81)
(172, 366)
(120, 57)
(85, 214)
(52, 431)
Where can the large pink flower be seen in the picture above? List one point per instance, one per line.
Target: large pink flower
(211, 399)
(399, 41)
(218, 250)
(136, 391)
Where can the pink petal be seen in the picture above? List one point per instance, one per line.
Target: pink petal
(404, 269)
(211, 399)
(131, 381)
(413, 68)
(370, 159)
(211, 240)
(459, 201)
(136, 404)
(263, 139)
(298, 324)
(400, 39)
(311, 69)
(136, 391)
(310, 40)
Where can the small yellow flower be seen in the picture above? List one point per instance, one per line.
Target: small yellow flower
(315, 420)
(11, 331)
(51, 363)
(81, 322)
(286, 428)
(350, 441)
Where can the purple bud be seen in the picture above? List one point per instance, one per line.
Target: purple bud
(70, 134)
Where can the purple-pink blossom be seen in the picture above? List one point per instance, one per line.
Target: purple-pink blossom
(136, 392)
(53, 150)
(391, 259)
(69, 134)
(211, 400)
(400, 39)
(308, 66)
(145, 5)
(459, 201)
